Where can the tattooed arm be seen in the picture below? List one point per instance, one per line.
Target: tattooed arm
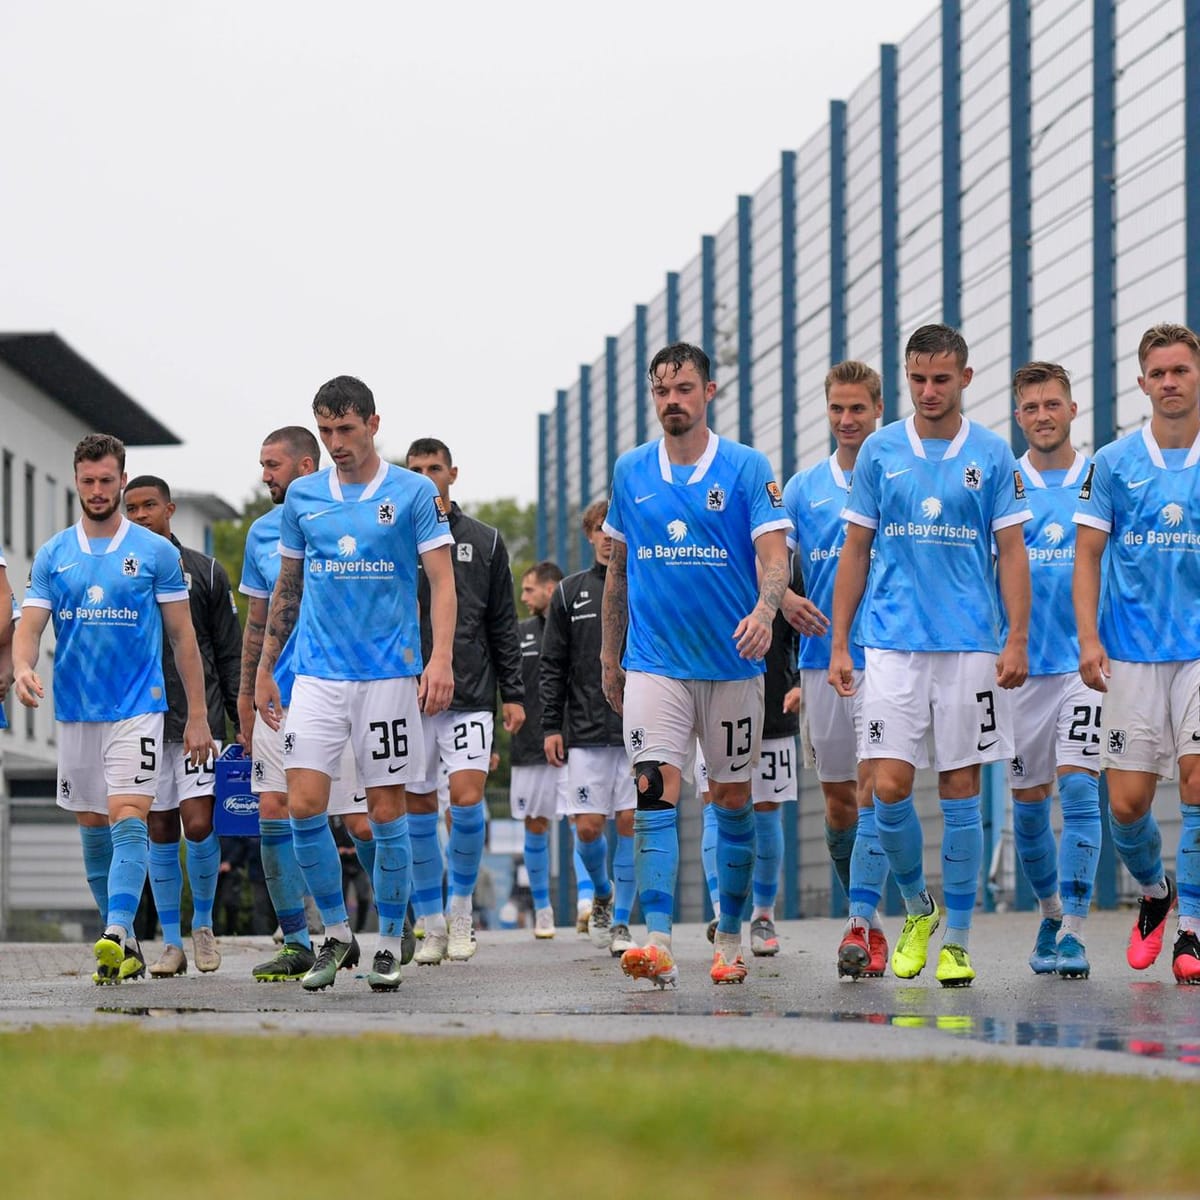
(614, 620)
(753, 633)
(252, 644)
(281, 620)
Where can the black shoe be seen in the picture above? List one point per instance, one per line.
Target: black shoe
(408, 943)
(292, 962)
(333, 956)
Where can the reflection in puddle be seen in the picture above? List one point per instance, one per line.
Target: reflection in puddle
(119, 1011)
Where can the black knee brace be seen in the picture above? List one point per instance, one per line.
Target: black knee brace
(649, 786)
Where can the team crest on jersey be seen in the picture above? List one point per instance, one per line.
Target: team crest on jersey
(637, 740)
(774, 494)
(260, 772)
(583, 794)
(1116, 741)
(465, 552)
(874, 732)
(387, 513)
(289, 743)
(130, 565)
(64, 788)
(1018, 486)
(973, 478)
(1085, 491)
(715, 501)
(443, 510)
(1018, 767)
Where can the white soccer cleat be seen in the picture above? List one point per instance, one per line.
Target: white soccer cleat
(543, 923)
(461, 945)
(433, 949)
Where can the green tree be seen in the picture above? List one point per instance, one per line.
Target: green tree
(517, 523)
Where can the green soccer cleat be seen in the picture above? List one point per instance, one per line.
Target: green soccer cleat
(334, 956)
(133, 965)
(109, 955)
(384, 975)
(292, 962)
(954, 966)
(908, 959)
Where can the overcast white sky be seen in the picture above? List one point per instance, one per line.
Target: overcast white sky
(221, 205)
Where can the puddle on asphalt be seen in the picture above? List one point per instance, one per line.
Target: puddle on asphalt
(119, 1011)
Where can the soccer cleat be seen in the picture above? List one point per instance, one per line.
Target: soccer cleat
(433, 949)
(205, 954)
(652, 962)
(854, 954)
(621, 941)
(333, 956)
(1146, 937)
(583, 915)
(1044, 959)
(908, 959)
(711, 931)
(109, 955)
(543, 923)
(1186, 957)
(878, 946)
(954, 966)
(727, 970)
(461, 944)
(600, 922)
(764, 943)
(292, 962)
(384, 975)
(172, 961)
(408, 943)
(1072, 958)
(133, 965)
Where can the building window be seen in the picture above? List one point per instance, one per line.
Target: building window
(30, 513)
(6, 497)
(52, 526)
(70, 506)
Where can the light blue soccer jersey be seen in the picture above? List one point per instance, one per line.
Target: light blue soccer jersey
(689, 533)
(1050, 540)
(358, 616)
(1148, 502)
(260, 570)
(16, 612)
(934, 506)
(104, 602)
(814, 500)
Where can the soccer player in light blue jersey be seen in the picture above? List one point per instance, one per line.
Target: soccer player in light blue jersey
(689, 516)
(1140, 503)
(287, 454)
(930, 494)
(112, 588)
(350, 541)
(814, 500)
(1056, 716)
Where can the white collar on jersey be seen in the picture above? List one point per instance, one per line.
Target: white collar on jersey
(335, 484)
(702, 465)
(910, 427)
(1155, 451)
(839, 476)
(117, 538)
(1034, 475)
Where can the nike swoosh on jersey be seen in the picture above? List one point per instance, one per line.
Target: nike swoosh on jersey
(818, 503)
(60, 570)
(320, 513)
(643, 499)
(581, 604)
(1137, 483)
(893, 474)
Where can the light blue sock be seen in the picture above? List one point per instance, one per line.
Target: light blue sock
(285, 881)
(1140, 846)
(656, 865)
(468, 830)
(1034, 840)
(426, 864)
(840, 844)
(392, 876)
(317, 856)
(584, 888)
(364, 849)
(127, 874)
(204, 866)
(166, 884)
(735, 862)
(537, 863)
(1187, 863)
(708, 854)
(97, 858)
(768, 853)
(624, 883)
(595, 862)
(899, 830)
(1079, 846)
(962, 861)
(868, 868)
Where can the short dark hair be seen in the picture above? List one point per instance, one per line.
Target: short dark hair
(426, 447)
(1033, 373)
(96, 446)
(1166, 334)
(937, 339)
(854, 372)
(300, 442)
(150, 481)
(545, 572)
(593, 516)
(344, 394)
(675, 355)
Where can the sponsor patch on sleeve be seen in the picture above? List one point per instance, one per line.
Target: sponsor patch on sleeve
(1018, 485)
(443, 510)
(774, 494)
(1085, 491)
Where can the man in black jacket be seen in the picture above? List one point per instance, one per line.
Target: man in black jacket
(186, 791)
(487, 654)
(577, 716)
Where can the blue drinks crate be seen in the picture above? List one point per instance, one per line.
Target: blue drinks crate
(236, 811)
